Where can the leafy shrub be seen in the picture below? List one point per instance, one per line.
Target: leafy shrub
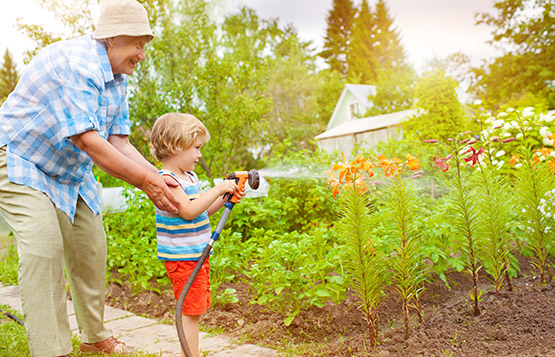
(294, 271)
(131, 238)
(291, 205)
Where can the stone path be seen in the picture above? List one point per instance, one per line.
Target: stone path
(147, 335)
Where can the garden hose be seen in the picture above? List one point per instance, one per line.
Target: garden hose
(240, 178)
(12, 316)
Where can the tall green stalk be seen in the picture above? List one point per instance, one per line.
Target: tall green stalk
(465, 224)
(408, 271)
(364, 263)
(494, 205)
(533, 183)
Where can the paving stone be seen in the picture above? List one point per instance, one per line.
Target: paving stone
(128, 323)
(73, 326)
(246, 350)
(111, 313)
(148, 335)
(9, 295)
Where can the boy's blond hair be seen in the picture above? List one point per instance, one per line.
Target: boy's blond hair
(173, 132)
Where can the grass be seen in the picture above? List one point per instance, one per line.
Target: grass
(8, 264)
(13, 341)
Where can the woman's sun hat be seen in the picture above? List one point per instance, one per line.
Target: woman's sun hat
(122, 17)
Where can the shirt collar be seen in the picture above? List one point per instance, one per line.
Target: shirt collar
(105, 63)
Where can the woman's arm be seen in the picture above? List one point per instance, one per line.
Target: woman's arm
(127, 165)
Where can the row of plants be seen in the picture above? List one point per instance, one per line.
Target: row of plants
(493, 211)
(467, 204)
(385, 225)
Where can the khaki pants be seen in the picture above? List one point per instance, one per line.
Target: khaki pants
(47, 242)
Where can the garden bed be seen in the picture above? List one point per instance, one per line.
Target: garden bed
(519, 322)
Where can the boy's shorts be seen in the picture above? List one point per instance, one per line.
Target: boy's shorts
(197, 300)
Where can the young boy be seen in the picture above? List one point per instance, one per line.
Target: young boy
(176, 142)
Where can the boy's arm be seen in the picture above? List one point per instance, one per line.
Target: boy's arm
(192, 209)
(219, 203)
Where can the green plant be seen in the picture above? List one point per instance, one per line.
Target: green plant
(464, 202)
(131, 239)
(407, 258)
(13, 341)
(8, 266)
(534, 182)
(493, 199)
(364, 263)
(295, 271)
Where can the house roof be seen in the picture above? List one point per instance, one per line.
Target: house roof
(367, 124)
(360, 91)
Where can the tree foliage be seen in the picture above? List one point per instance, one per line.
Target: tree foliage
(8, 76)
(338, 34)
(361, 59)
(525, 30)
(442, 114)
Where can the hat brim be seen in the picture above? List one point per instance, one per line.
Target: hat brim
(109, 31)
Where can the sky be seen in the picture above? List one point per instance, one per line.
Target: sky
(428, 28)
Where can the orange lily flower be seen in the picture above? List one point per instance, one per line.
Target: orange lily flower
(544, 151)
(343, 168)
(413, 162)
(359, 185)
(390, 167)
(514, 159)
(551, 164)
(536, 159)
(334, 182)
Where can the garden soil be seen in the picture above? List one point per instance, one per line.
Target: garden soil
(520, 322)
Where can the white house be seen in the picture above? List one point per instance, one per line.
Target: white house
(346, 128)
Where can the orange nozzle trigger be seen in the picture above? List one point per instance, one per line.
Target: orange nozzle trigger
(240, 178)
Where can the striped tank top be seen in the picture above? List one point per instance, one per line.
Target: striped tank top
(178, 238)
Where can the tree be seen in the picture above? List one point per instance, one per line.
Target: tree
(394, 77)
(442, 114)
(338, 34)
(394, 91)
(292, 85)
(362, 62)
(221, 80)
(8, 76)
(525, 30)
(388, 49)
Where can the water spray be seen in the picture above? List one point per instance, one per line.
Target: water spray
(240, 177)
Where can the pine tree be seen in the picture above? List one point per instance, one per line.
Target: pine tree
(338, 33)
(8, 76)
(361, 59)
(388, 49)
(394, 76)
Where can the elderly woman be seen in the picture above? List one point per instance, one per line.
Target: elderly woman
(68, 111)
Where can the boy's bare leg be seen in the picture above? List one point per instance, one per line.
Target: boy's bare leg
(190, 329)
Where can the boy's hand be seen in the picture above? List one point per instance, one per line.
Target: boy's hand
(227, 186)
(239, 194)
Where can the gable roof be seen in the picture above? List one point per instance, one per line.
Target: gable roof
(360, 91)
(367, 124)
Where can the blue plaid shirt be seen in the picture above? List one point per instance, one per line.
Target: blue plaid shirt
(67, 89)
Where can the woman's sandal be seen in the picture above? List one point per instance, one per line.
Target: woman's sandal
(108, 346)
